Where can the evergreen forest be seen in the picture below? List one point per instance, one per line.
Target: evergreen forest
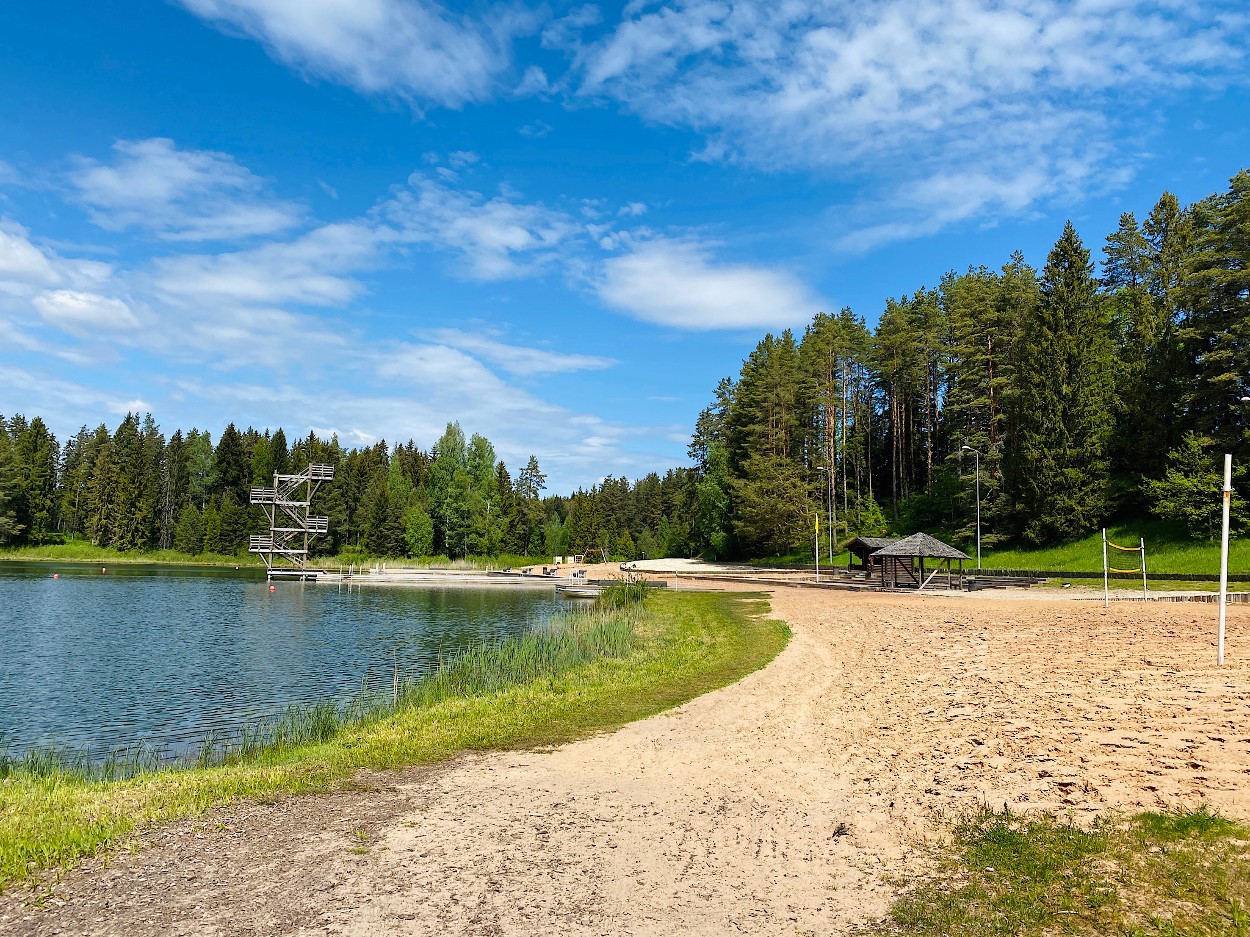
(134, 489)
(1088, 391)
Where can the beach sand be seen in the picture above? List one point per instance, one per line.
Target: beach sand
(788, 803)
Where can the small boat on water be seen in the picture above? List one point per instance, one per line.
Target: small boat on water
(580, 592)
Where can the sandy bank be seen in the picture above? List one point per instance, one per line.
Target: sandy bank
(776, 806)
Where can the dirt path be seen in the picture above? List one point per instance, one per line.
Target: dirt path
(776, 806)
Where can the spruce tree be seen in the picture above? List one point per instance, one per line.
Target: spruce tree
(1216, 294)
(1061, 408)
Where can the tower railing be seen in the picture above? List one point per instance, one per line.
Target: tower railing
(291, 526)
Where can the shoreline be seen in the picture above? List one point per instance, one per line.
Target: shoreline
(683, 647)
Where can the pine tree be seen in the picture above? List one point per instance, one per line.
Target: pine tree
(37, 457)
(1143, 334)
(1062, 418)
(1216, 332)
(771, 496)
(189, 533)
(231, 468)
(529, 487)
(10, 487)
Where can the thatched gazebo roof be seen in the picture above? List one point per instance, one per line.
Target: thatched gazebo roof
(924, 546)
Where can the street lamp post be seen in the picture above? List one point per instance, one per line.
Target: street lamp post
(977, 453)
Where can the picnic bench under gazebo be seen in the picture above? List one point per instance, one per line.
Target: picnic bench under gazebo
(902, 563)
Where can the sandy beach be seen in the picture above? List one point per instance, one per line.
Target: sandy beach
(784, 804)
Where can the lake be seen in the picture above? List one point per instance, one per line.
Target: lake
(164, 655)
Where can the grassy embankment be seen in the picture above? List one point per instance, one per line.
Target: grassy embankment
(1167, 551)
(81, 551)
(587, 674)
(1155, 875)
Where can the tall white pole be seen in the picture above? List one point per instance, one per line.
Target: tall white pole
(818, 546)
(978, 508)
(1228, 499)
(1106, 586)
(1145, 594)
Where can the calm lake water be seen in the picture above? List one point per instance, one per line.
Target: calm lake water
(163, 655)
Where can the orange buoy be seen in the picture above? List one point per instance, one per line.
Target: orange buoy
(56, 575)
(271, 588)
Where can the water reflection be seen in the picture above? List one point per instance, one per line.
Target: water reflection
(165, 655)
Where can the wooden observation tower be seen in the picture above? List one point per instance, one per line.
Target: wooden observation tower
(291, 526)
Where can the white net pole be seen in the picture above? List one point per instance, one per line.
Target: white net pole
(1106, 579)
(1228, 498)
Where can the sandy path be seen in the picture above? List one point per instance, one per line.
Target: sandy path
(775, 806)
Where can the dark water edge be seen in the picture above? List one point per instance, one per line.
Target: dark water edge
(154, 658)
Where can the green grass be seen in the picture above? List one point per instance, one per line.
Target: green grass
(361, 558)
(1165, 553)
(592, 674)
(1184, 872)
(81, 551)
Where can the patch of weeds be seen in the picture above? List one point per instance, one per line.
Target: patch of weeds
(1159, 874)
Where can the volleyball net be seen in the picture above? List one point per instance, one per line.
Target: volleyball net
(1108, 569)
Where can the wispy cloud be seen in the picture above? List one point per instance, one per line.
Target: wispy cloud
(496, 238)
(180, 195)
(85, 314)
(416, 50)
(21, 262)
(518, 359)
(679, 284)
(1012, 100)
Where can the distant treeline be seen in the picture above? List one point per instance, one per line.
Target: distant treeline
(1088, 397)
(134, 489)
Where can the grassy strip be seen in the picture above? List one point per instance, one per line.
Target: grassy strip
(1165, 553)
(79, 551)
(1156, 875)
(675, 648)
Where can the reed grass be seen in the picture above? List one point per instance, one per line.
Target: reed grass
(585, 673)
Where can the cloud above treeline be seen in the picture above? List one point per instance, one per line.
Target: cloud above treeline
(962, 108)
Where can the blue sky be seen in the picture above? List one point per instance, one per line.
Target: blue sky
(559, 224)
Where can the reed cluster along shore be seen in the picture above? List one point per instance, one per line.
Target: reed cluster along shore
(585, 673)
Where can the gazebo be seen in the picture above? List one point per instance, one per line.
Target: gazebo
(862, 549)
(898, 562)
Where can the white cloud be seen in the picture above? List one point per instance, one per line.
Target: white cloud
(182, 195)
(85, 314)
(902, 92)
(675, 283)
(414, 49)
(21, 262)
(535, 131)
(8, 174)
(314, 269)
(497, 238)
(516, 359)
(633, 209)
(461, 158)
(533, 82)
